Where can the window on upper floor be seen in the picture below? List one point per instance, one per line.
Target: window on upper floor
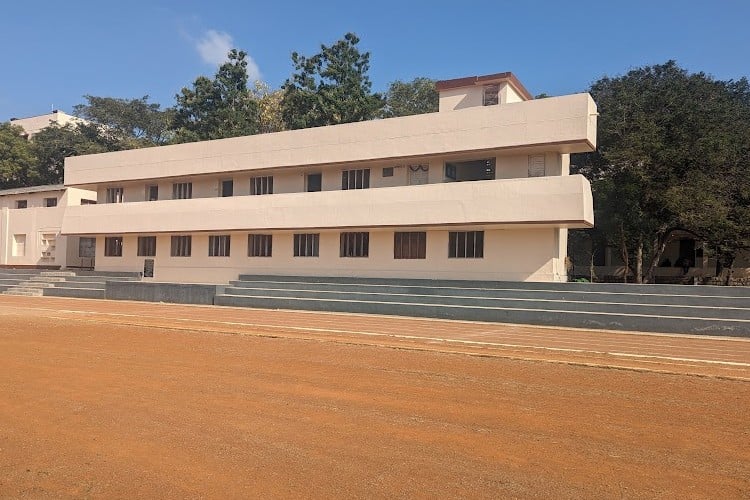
(182, 190)
(152, 192)
(226, 188)
(87, 202)
(113, 246)
(218, 245)
(50, 202)
(22, 204)
(259, 245)
(306, 244)
(354, 244)
(181, 246)
(261, 185)
(474, 170)
(147, 246)
(466, 244)
(491, 95)
(115, 195)
(537, 166)
(410, 245)
(387, 171)
(313, 182)
(355, 179)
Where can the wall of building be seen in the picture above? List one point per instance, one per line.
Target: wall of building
(509, 255)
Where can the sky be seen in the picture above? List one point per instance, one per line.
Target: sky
(53, 53)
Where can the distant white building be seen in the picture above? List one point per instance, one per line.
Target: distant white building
(33, 124)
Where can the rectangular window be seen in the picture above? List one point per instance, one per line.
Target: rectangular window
(387, 171)
(152, 192)
(536, 166)
(226, 188)
(50, 202)
(261, 185)
(19, 245)
(259, 245)
(181, 246)
(466, 244)
(88, 202)
(147, 246)
(113, 246)
(22, 204)
(355, 245)
(218, 245)
(306, 245)
(355, 179)
(491, 95)
(182, 191)
(87, 248)
(314, 183)
(410, 245)
(115, 195)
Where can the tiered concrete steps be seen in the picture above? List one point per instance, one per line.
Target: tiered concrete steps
(36, 282)
(658, 308)
(88, 284)
(80, 284)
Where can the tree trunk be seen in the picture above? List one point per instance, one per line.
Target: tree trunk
(624, 254)
(661, 240)
(728, 262)
(639, 262)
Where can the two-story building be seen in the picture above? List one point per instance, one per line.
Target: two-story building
(479, 190)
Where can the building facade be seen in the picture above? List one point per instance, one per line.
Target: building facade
(479, 190)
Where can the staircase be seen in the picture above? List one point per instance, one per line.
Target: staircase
(37, 283)
(657, 308)
(80, 284)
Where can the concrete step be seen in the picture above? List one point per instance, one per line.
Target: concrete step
(48, 279)
(58, 273)
(82, 284)
(100, 278)
(81, 293)
(31, 292)
(35, 284)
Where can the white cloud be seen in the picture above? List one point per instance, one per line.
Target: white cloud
(213, 47)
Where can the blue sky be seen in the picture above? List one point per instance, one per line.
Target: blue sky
(54, 52)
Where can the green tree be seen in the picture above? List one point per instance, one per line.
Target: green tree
(673, 155)
(17, 160)
(135, 121)
(411, 98)
(330, 87)
(220, 107)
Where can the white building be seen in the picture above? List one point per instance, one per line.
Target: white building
(33, 124)
(480, 190)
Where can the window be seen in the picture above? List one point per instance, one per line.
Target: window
(259, 245)
(88, 202)
(306, 245)
(181, 246)
(536, 166)
(115, 195)
(355, 179)
(87, 248)
(182, 191)
(491, 95)
(261, 185)
(387, 171)
(474, 170)
(152, 192)
(355, 244)
(19, 245)
(50, 202)
(411, 245)
(226, 188)
(22, 204)
(314, 182)
(218, 246)
(113, 246)
(146, 246)
(466, 244)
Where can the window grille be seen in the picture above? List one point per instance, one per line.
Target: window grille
(466, 244)
(182, 190)
(261, 185)
(410, 245)
(306, 245)
(218, 245)
(260, 245)
(113, 246)
(181, 246)
(146, 246)
(115, 195)
(355, 244)
(355, 179)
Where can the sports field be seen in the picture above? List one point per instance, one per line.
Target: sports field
(109, 399)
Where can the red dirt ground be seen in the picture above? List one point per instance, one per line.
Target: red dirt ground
(119, 399)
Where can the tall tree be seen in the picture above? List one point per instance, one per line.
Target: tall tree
(411, 98)
(330, 87)
(220, 107)
(137, 121)
(673, 147)
(269, 108)
(17, 160)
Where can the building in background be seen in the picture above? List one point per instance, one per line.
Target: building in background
(477, 191)
(34, 124)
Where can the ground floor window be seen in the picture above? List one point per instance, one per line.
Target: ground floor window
(181, 246)
(113, 246)
(218, 245)
(466, 244)
(259, 245)
(146, 246)
(410, 245)
(355, 245)
(306, 245)
(87, 248)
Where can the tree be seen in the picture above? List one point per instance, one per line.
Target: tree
(219, 107)
(53, 144)
(17, 161)
(133, 120)
(269, 108)
(330, 87)
(411, 98)
(673, 155)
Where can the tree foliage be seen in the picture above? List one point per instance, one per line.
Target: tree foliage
(136, 121)
(269, 108)
(411, 98)
(674, 154)
(17, 161)
(219, 107)
(330, 87)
